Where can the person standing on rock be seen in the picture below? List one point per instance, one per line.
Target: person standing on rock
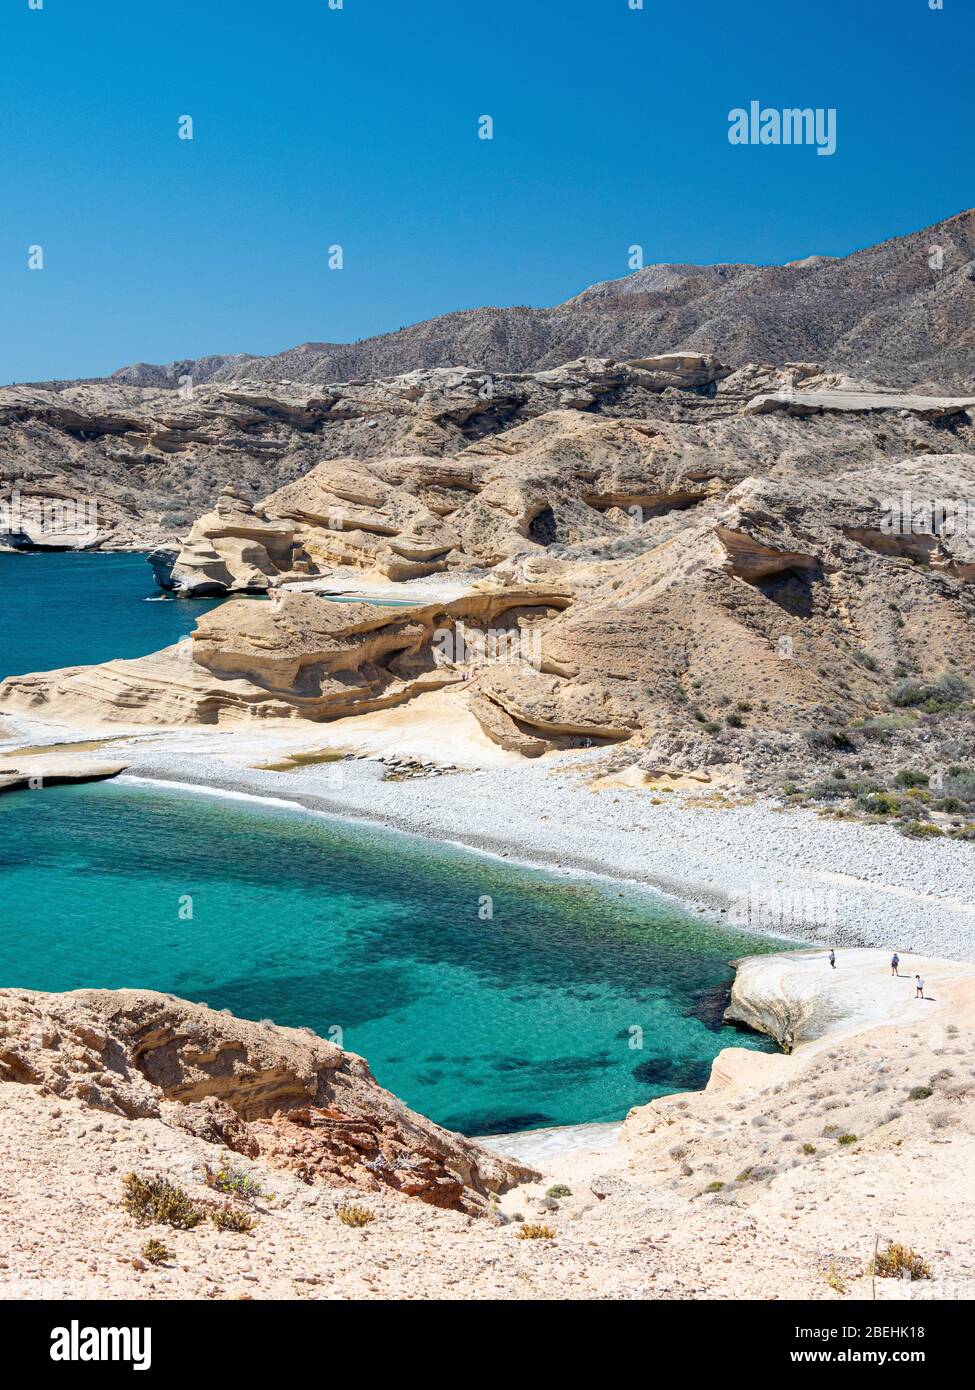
(895, 961)
(919, 990)
(832, 958)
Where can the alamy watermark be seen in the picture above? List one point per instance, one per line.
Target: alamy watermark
(792, 125)
(73, 518)
(460, 646)
(908, 515)
(766, 908)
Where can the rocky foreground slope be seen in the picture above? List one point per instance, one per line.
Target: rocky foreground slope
(256, 1090)
(902, 311)
(778, 1181)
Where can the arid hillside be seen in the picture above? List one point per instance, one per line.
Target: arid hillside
(901, 312)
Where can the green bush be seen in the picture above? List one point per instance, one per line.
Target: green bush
(919, 1093)
(155, 1252)
(940, 696)
(908, 777)
(922, 830)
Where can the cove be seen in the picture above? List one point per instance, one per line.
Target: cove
(524, 1019)
(76, 608)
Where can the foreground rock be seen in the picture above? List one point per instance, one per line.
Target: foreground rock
(778, 1181)
(256, 1089)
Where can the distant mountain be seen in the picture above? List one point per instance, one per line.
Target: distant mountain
(902, 313)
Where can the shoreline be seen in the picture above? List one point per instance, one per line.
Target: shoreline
(761, 866)
(785, 874)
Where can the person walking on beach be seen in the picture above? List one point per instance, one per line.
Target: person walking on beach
(919, 991)
(895, 961)
(832, 958)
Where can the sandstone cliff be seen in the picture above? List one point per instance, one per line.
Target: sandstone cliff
(257, 1089)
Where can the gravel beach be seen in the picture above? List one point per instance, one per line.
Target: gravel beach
(787, 872)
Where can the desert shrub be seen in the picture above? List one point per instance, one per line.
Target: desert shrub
(964, 832)
(922, 830)
(714, 1187)
(531, 1231)
(837, 740)
(734, 721)
(833, 1279)
(235, 1180)
(228, 1218)
(899, 1262)
(351, 1215)
(941, 1119)
(919, 1093)
(156, 1199)
(809, 1148)
(846, 1139)
(878, 803)
(940, 696)
(711, 727)
(559, 1189)
(155, 1252)
(909, 777)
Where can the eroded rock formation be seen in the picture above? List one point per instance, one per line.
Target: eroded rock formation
(256, 1088)
(667, 559)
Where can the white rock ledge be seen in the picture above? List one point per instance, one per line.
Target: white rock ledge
(799, 1000)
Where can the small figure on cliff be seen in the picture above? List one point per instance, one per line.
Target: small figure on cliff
(919, 992)
(832, 958)
(895, 961)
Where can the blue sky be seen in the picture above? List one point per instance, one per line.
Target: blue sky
(358, 126)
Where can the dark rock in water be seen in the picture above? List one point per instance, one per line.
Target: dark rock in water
(675, 1075)
(505, 1124)
(709, 1006)
(162, 562)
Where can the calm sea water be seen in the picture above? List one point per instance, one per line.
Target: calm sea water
(528, 1017)
(571, 1002)
(68, 609)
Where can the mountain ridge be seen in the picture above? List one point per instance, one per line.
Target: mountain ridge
(900, 311)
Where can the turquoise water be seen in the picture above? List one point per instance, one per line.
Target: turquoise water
(519, 1020)
(68, 609)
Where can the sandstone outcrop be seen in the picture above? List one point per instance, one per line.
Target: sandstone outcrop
(257, 1089)
(668, 562)
(233, 549)
(50, 770)
(798, 999)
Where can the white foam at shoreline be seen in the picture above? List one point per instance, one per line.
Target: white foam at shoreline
(540, 1146)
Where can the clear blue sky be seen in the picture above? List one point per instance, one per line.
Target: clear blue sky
(359, 127)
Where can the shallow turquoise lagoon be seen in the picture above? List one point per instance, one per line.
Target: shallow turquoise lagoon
(67, 609)
(523, 1018)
